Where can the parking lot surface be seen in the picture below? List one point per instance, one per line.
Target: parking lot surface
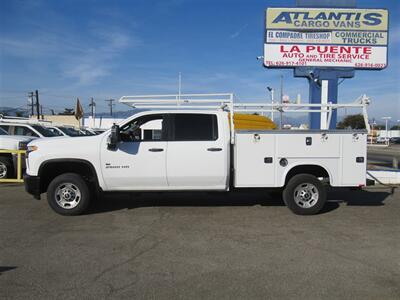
(208, 246)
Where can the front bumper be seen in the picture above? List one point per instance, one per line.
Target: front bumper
(32, 185)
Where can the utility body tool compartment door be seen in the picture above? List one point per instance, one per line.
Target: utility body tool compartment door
(354, 161)
(310, 145)
(254, 160)
(197, 156)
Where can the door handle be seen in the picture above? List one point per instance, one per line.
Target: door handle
(156, 150)
(214, 149)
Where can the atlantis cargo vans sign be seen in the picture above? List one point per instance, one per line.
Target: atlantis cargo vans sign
(325, 37)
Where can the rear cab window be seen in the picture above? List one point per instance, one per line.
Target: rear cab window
(194, 127)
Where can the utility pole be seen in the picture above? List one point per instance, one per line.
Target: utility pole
(280, 114)
(37, 104)
(30, 97)
(110, 104)
(92, 106)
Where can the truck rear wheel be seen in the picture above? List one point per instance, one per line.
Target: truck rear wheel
(304, 194)
(6, 167)
(68, 194)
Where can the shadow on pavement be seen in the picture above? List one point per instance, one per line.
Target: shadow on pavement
(5, 269)
(118, 201)
(360, 197)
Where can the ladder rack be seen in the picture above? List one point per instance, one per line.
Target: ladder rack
(179, 101)
(225, 102)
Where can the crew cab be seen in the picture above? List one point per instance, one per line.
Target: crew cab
(195, 150)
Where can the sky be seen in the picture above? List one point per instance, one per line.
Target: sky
(107, 49)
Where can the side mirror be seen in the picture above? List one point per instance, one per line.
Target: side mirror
(114, 138)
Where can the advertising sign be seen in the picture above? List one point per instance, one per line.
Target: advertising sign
(326, 37)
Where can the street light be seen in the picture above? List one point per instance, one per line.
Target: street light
(386, 128)
(271, 90)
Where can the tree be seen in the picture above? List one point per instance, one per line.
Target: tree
(395, 127)
(353, 122)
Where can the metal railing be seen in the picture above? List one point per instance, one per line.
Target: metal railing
(19, 166)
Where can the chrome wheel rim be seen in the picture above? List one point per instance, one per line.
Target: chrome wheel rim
(67, 195)
(3, 170)
(306, 195)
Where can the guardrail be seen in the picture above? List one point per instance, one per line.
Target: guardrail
(19, 165)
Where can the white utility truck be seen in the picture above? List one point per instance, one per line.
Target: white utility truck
(194, 147)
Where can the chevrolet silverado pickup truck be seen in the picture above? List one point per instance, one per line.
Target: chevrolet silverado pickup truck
(185, 149)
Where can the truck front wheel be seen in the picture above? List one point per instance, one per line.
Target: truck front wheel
(68, 194)
(304, 194)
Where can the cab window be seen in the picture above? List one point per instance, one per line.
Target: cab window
(22, 130)
(145, 128)
(5, 128)
(194, 127)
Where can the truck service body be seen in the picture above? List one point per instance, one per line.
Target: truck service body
(193, 151)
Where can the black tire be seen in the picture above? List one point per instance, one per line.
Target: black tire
(68, 184)
(304, 194)
(6, 168)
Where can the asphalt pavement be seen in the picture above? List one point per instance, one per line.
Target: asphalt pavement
(201, 246)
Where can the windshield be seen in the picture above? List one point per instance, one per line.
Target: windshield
(3, 132)
(44, 131)
(55, 131)
(87, 132)
(70, 131)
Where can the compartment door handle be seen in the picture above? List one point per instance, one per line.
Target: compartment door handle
(156, 150)
(214, 149)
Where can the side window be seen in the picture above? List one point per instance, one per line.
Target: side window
(21, 130)
(145, 128)
(194, 127)
(6, 128)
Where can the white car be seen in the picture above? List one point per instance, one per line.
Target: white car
(382, 140)
(26, 129)
(8, 161)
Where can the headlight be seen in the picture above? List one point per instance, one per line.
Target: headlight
(32, 148)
